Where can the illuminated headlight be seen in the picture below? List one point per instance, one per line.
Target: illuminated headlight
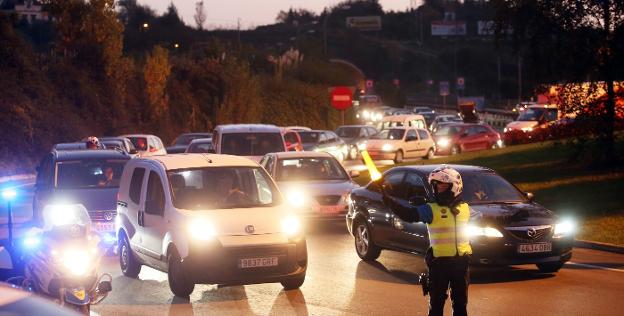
(296, 198)
(527, 129)
(379, 116)
(475, 231)
(366, 115)
(291, 226)
(357, 115)
(564, 228)
(77, 261)
(505, 130)
(499, 143)
(386, 147)
(201, 229)
(60, 214)
(443, 142)
(361, 146)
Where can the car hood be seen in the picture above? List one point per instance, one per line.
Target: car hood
(518, 125)
(92, 199)
(316, 188)
(518, 214)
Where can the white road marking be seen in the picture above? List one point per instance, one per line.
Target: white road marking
(591, 266)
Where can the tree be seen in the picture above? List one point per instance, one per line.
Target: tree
(155, 74)
(200, 15)
(575, 40)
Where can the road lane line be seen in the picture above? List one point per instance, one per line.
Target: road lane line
(591, 266)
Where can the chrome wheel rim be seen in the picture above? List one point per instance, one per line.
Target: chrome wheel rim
(124, 256)
(362, 239)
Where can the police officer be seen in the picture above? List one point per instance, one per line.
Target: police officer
(448, 256)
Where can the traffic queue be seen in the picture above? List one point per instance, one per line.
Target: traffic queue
(230, 207)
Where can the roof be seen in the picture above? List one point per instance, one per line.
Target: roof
(197, 134)
(360, 125)
(90, 154)
(302, 154)
(201, 140)
(426, 169)
(400, 117)
(241, 128)
(188, 161)
(112, 138)
(138, 135)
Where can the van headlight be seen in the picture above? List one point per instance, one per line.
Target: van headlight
(475, 231)
(564, 228)
(201, 229)
(291, 226)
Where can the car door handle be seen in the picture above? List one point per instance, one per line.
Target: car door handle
(141, 218)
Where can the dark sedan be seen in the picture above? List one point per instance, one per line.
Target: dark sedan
(181, 142)
(506, 228)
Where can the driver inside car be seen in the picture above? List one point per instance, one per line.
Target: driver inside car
(229, 188)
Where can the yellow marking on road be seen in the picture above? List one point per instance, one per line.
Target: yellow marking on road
(372, 169)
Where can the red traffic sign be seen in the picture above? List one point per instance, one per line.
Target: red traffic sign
(369, 84)
(341, 98)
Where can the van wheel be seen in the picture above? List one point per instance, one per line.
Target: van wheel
(430, 154)
(455, 150)
(127, 262)
(364, 245)
(294, 283)
(178, 281)
(398, 157)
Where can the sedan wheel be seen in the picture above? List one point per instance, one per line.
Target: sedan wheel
(398, 157)
(430, 154)
(364, 245)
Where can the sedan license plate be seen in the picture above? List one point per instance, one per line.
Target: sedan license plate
(104, 227)
(535, 248)
(257, 262)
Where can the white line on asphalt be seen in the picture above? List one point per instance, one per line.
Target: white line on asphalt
(591, 266)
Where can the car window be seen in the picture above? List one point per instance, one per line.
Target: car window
(414, 186)
(89, 173)
(310, 137)
(551, 115)
(422, 134)
(290, 138)
(306, 169)
(472, 130)
(393, 184)
(151, 143)
(322, 138)
(481, 129)
(140, 143)
(269, 164)
(136, 183)
(411, 135)
(363, 132)
(44, 172)
(200, 147)
(348, 132)
(331, 137)
(371, 131)
(488, 187)
(252, 144)
(155, 197)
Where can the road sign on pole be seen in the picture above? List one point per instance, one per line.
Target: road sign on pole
(444, 88)
(341, 98)
(369, 84)
(461, 83)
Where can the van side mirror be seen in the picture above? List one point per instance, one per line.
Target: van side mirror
(417, 200)
(529, 196)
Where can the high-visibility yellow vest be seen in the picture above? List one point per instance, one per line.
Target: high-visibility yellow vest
(447, 232)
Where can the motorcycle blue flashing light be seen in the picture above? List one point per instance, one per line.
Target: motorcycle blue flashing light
(9, 194)
(32, 241)
(109, 238)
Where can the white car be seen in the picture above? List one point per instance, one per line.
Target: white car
(147, 145)
(207, 219)
(315, 183)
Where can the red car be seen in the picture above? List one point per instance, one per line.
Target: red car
(456, 138)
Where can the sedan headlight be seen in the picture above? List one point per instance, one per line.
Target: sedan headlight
(527, 129)
(366, 115)
(475, 231)
(361, 146)
(296, 198)
(443, 142)
(201, 229)
(291, 226)
(505, 130)
(564, 228)
(77, 261)
(387, 147)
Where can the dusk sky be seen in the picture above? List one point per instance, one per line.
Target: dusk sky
(225, 13)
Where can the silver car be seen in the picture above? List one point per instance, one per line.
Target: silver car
(313, 182)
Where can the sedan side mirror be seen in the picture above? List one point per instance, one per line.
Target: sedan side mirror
(417, 200)
(133, 152)
(354, 173)
(529, 196)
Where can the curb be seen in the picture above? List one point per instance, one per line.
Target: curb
(599, 246)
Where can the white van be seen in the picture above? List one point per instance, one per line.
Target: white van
(207, 219)
(403, 121)
(249, 140)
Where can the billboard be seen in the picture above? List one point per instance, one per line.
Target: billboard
(448, 28)
(364, 23)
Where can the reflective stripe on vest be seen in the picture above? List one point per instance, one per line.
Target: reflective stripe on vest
(447, 233)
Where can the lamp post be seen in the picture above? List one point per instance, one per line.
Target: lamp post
(8, 195)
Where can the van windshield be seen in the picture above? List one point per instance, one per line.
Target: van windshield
(251, 144)
(394, 133)
(89, 174)
(221, 188)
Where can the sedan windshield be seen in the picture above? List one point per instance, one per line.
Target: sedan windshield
(89, 174)
(298, 169)
(348, 132)
(390, 134)
(487, 187)
(447, 131)
(252, 144)
(221, 188)
(531, 115)
(186, 139)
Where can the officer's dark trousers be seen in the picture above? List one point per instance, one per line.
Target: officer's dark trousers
(445, 272)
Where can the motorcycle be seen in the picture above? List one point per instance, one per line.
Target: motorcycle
(62, 259)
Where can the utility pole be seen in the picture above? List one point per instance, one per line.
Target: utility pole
(519, 79)
(325, 33)
(238, 26)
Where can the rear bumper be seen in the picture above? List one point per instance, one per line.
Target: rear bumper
(489, 251)
(214, 264)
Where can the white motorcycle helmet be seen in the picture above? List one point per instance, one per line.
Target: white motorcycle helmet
(448, 175)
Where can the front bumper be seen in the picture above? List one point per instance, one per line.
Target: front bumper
(215, 264)
(381, 155)
(503, 251)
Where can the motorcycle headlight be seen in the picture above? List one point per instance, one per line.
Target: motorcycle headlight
(475, 231)
(564, 228)
(77, 261)
(291, 226)
(201, 229)
(386, 147)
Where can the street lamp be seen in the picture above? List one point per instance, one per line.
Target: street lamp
(145, 25)
(8, 195)
(176, 45)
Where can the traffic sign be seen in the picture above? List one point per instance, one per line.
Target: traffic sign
(369, 84)
(341, 98)
(460, 83)
(444, 88)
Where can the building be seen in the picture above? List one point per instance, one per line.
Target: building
(27, 10)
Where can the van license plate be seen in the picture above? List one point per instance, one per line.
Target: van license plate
(535, 248)
(257, 262)
(104, 226)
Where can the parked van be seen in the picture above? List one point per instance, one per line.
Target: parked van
(249, 140)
